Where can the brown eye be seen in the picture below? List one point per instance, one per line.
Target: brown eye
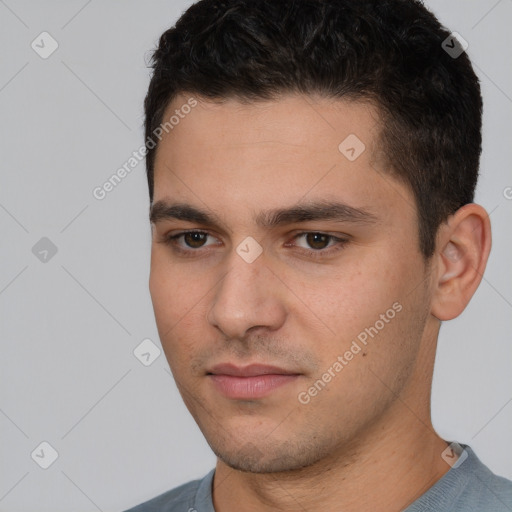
(195, 239)
(319, 245)
(318, 240)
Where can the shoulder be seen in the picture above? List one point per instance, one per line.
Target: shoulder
(489, 491)
(469, 486)
(182, 498)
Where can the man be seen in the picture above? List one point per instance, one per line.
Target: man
(312, 166)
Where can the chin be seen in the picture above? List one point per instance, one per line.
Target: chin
(250, 458)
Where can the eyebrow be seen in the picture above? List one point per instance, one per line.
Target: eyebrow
(302, 212)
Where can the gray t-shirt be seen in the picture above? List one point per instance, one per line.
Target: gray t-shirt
(468, 487)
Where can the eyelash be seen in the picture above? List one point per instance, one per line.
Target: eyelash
(171, 240)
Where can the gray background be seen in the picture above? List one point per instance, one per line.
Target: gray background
(68, 375)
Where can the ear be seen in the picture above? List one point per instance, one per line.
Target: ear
(462, 249)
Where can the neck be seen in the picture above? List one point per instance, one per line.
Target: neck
(386, 471)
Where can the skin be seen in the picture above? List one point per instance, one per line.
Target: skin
(365, 441)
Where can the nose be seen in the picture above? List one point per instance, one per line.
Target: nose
(248, 297)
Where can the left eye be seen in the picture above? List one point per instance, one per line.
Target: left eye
(317, 241)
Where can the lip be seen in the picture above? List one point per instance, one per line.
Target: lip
(249, 382)
(251, 370)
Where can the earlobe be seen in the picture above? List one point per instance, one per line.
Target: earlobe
(463, 247)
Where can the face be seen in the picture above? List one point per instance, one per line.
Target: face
(286, 278)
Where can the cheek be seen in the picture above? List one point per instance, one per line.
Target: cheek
(351, 296)
(377, 352)
(178, 302)
(367, 299)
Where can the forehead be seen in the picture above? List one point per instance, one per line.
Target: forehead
(303, 121)
(271, 153)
